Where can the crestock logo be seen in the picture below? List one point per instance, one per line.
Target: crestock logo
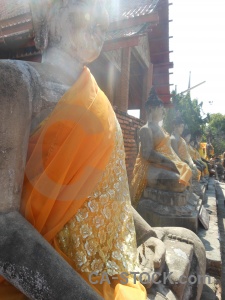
(146, 278)
(75, 117)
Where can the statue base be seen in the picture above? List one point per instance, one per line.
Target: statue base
(160, 209)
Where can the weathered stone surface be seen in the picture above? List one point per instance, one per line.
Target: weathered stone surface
(161, 292)
(166, 197)
(179, 258)
(210, 289)
(204, 217)
(210, 237)
(34, 267)
(198, 262)
(162, 215)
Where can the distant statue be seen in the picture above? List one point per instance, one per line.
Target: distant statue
(196, 152)
(181, 148)
(209, 150)
(75, 193)
(223, 159)
(157, 165)
(193, 152)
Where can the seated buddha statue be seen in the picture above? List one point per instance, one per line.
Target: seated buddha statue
(157, 165)
(187, 137)
(68, 230)
(180, 146)
(209, 150)
(195, 155)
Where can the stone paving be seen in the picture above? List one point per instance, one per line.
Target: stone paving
(220, 195)
(215, 290)
(210, 237)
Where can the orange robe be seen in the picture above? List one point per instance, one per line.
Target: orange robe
(185, 156)
(141, 167)
(76, 185)
(196, 156)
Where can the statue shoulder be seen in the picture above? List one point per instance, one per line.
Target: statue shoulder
(18, 79)
(175, 139)
(145, 130)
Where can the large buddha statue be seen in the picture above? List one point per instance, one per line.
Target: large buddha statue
(67, 227)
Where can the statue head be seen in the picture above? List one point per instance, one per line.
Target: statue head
(155, 106)
(198, 136)
(186, 135)
(178, 125)
(193, 142)
(76, 27)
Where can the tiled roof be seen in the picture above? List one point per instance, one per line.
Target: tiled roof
(126, 9)
(16, 19)
(127, 32)
(12, 8)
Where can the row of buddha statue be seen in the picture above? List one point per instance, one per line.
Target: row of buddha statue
(166, 188)
(67, 226)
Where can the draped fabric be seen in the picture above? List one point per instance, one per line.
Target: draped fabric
(185, 156)
(101, 237)
(74, 157)
(139, 180)
(67, 155)
(196, 156)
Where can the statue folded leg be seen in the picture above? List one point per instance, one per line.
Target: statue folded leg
(185, 261)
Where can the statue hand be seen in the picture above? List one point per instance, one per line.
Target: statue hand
(159, 249)
(152, 259)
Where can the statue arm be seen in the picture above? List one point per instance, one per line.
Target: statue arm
(148, 152)
(143, 230)
(174, 144)
(146, 234)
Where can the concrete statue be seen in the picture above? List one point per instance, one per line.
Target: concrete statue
(160, 177)
(67, 227)
(181, 148)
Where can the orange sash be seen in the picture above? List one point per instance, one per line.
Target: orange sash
(67, 155)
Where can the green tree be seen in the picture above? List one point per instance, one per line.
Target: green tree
(189, 110)
(216, 132)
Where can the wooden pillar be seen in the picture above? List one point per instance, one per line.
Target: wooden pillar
(124, 80)
(147, 84)
(111, 83)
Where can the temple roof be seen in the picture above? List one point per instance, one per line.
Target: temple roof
(128, 20)
(120, 10)
(16, 20)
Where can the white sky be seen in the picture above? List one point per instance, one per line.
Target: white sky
(198, 45)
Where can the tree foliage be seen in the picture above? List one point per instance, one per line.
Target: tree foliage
(189, 110)
(216, 132)
(211, 125)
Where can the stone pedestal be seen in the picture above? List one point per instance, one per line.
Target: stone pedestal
(160, 208)
(199, 189)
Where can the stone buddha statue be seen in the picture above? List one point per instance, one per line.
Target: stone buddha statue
(160, 177)
(66, 218)
(199, 161)
(179, 145)
(181, 148)
(186, 135)
(160, 166)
